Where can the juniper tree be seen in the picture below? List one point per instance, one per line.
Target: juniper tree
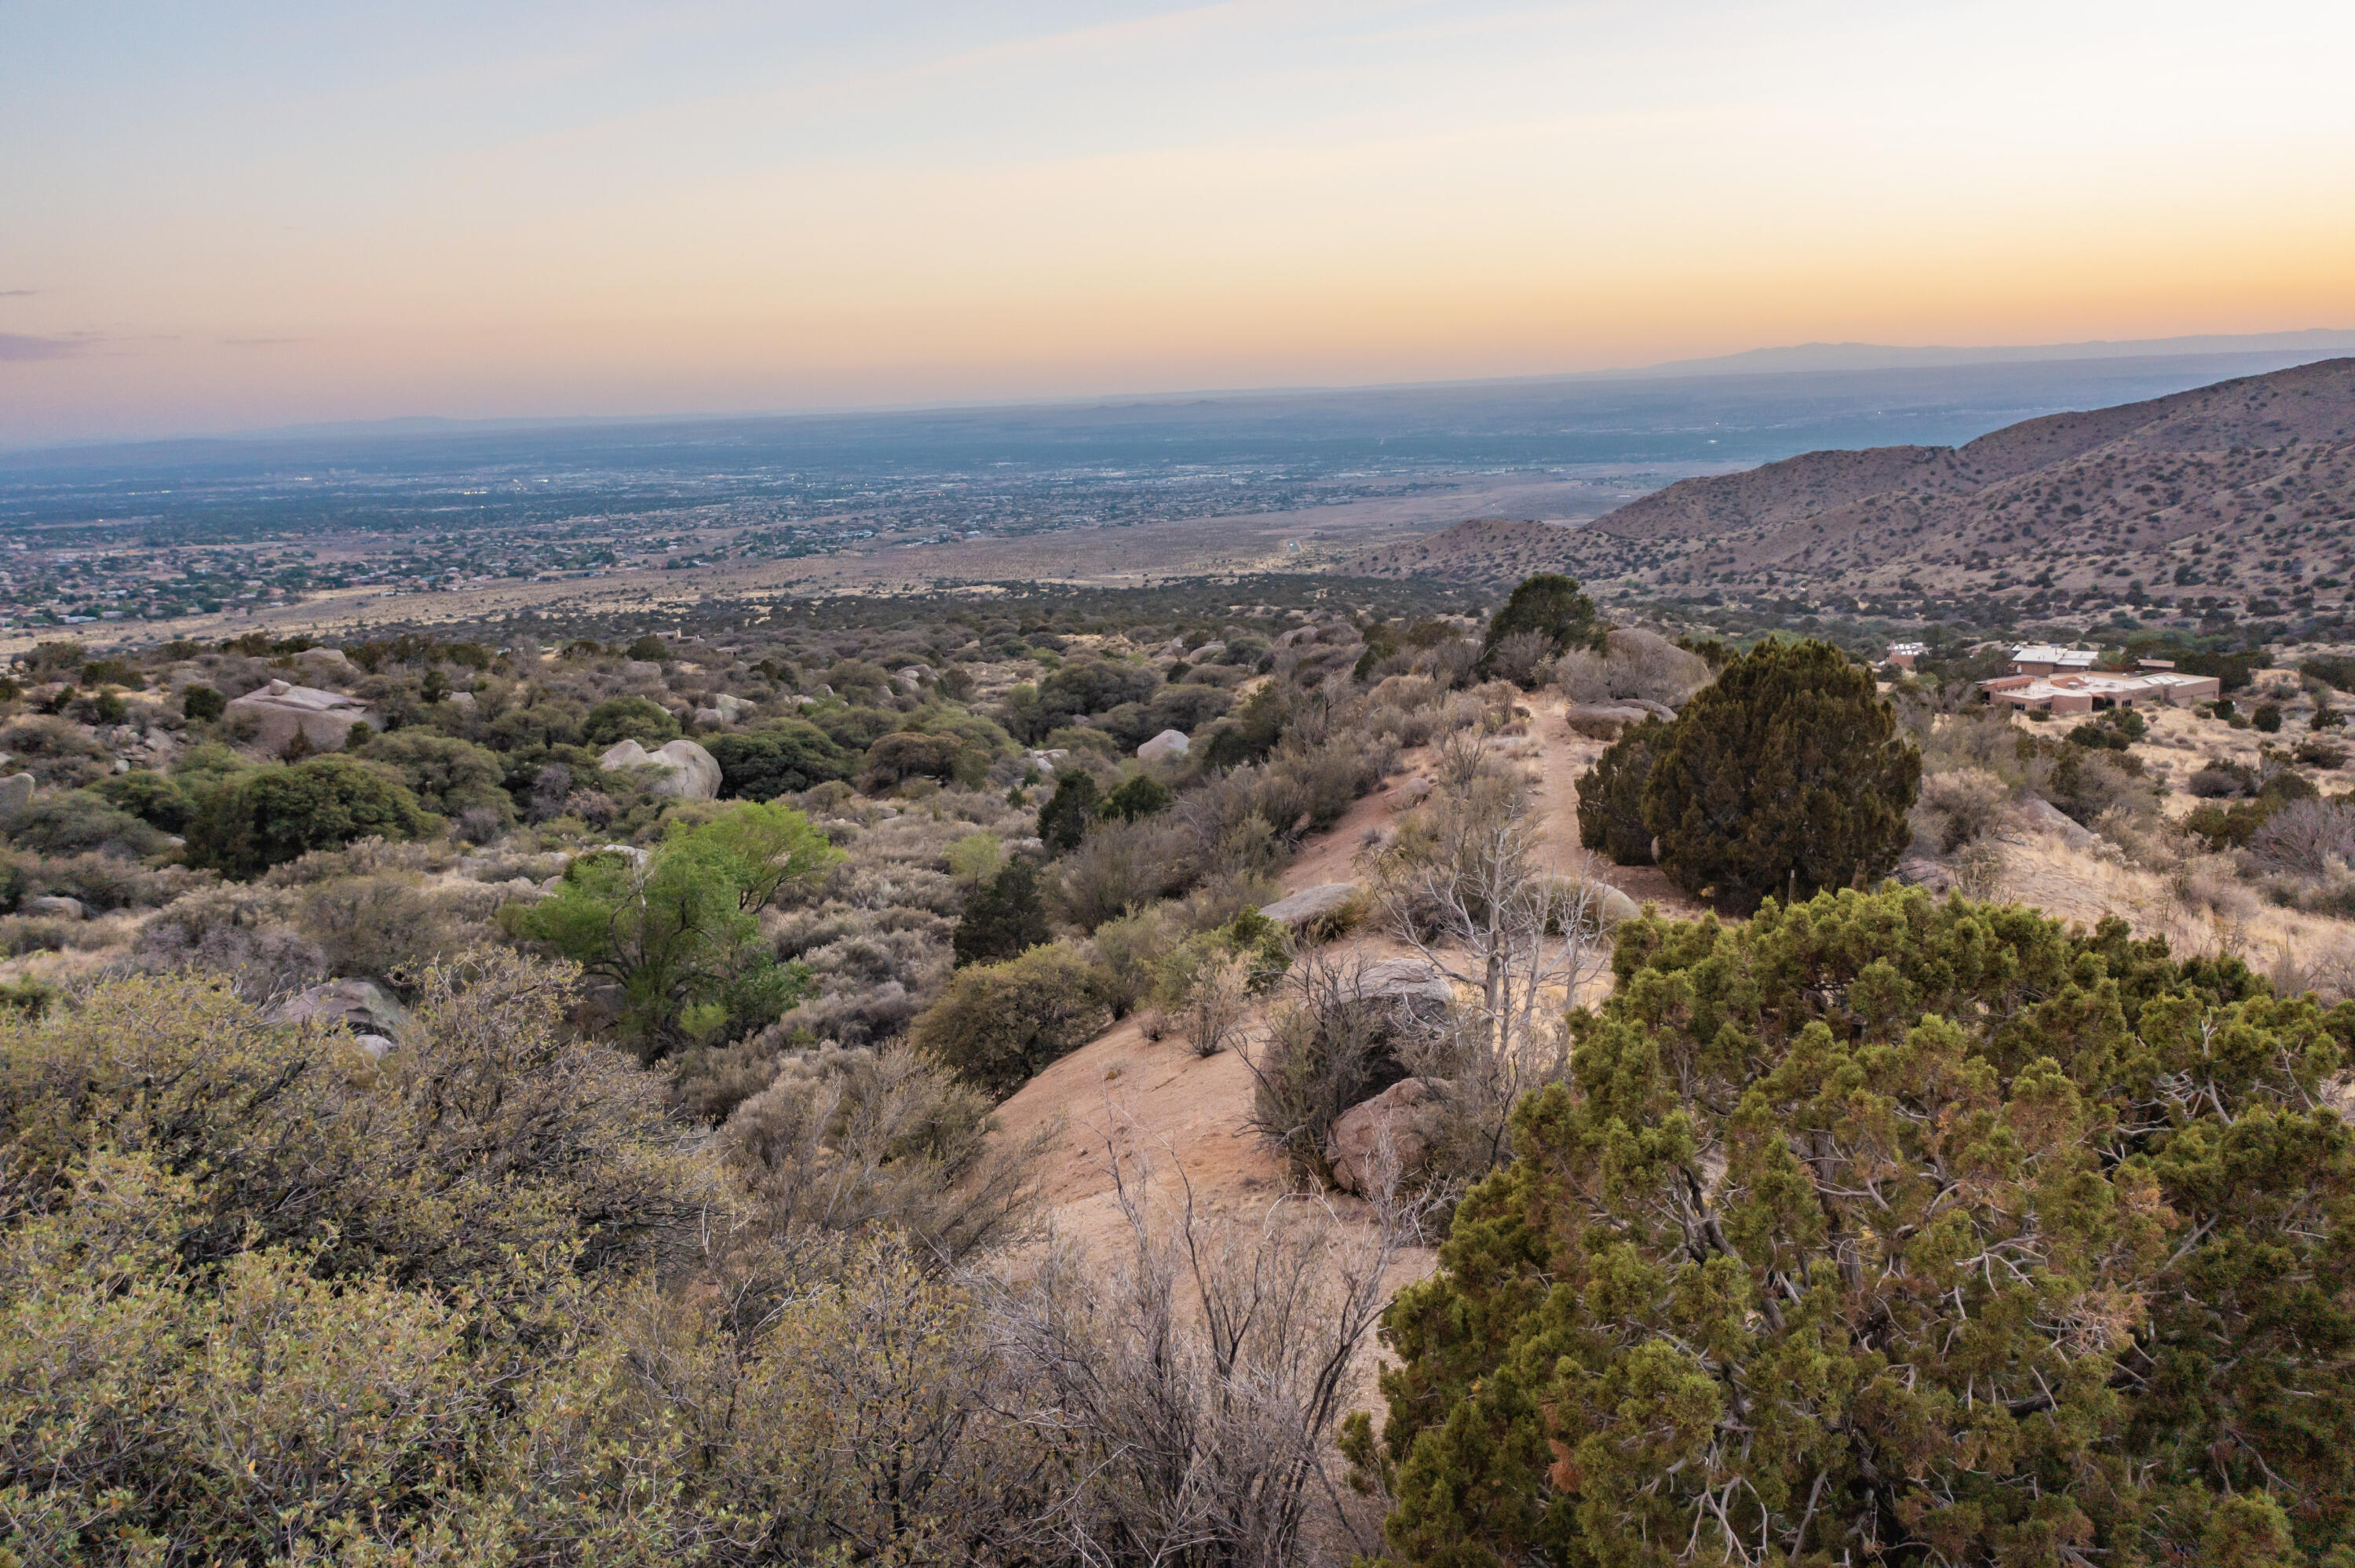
(1063, 819)
(1611, 794)
(1788, 772)
(1881, 1230)
(1550, 605)
(1002, 918)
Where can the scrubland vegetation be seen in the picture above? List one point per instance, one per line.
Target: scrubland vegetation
(650, 1199)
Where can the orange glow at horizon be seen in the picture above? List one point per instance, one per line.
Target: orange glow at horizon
(731, 212)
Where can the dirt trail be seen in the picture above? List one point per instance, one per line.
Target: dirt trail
(1185, 1112)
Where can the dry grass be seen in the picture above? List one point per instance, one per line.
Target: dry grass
(2197, 913)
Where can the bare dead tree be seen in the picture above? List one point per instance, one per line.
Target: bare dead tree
(1193, 1383)
(1465, 885)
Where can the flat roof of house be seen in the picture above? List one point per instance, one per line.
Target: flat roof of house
(2036, 688)
(1916, 649)
(2051, 653)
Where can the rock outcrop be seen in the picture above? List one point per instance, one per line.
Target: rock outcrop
(1312, 906)
(725, 708)
(279, 711)
(1604, 721)
(688, 772)
(1168, 746)
(1390, 1135)
(362, 1005)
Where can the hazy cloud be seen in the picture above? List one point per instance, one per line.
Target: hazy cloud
(17, 346)
(258, 342)
(17, 293)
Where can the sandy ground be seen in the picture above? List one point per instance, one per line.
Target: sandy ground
(1189, 1115)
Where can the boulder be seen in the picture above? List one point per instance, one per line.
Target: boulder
(1606, 905)
(1395, 1130)
(463, 701)
(1168, 746)
(725, 708)
(688, 772)
(2046, 817)
(327, 663)
(911, 679)
(362, 1005)
(279, 712)
(1604, 721)
(375, 1045)
(1921, 871)
(1312, 905)
(644, 669)
(1412, 980)
(1207, 651)
(1044, 761)
(16, 794)
(56, 907)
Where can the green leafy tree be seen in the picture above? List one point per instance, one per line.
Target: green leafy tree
(999, 1024)
(199, 705)
(650, 650)
(1882, 1230)
(1002, 918)
(1143, 796)
(1611, 794)
(617, 719)
(1252, 732)
(277, 814)
(1789, 767)
(1063, 819)
(785, 758)
(150, 796)
(2267, 718)
(681, 935)
(1550, 605)
(77, 821)
(903, 755)
(448, 776)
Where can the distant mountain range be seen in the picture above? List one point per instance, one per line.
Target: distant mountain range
(2241, 491)
(1800, 358)
(1756, 405)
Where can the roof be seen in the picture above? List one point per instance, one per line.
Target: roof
(2051, 654)
(2036, 688)
(1897, 650)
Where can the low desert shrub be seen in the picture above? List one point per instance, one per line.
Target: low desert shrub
(998, 1024)
(1958, 808)
(618, 719)
(275, 814)
(846, 1141)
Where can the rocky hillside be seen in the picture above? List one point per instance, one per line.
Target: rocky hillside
(2247, 486)
(1481, 549)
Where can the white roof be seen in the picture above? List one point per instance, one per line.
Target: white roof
(2048, 653)
(1916, 649)
(2042, 686)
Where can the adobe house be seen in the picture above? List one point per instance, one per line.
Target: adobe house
(2085, 692)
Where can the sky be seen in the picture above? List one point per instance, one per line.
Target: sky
(244, 215)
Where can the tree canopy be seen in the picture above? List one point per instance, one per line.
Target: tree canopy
(277, 814)
(1885, 1230)
(1789, 766)
(680, 936)
(1550, 605)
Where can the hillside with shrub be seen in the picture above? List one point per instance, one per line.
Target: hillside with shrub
(983, 1089)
